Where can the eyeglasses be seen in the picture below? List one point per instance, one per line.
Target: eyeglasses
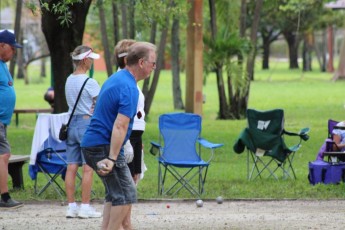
(152, 62)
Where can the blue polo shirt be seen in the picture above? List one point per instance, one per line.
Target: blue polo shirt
(7, 94)
(119, 94)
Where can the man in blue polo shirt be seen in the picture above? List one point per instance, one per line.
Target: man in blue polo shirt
(110, 128)
(8, 47)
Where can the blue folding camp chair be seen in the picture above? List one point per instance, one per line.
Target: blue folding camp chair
(178, 155)
(51, 162)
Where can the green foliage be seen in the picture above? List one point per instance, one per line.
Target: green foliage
(300, 15)
(229, 12)
(61, 9)
(226, 46)
(157, 10)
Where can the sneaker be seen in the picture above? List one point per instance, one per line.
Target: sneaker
(72, 212)
(89, 212)
(11, 204)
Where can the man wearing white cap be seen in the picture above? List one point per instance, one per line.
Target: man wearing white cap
(82, 58)
(8, 47)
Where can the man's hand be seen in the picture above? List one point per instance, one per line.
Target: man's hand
(104, 166)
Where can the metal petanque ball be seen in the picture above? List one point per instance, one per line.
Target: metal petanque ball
(199, 203)
(219, 200)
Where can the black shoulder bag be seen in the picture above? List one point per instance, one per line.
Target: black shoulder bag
(64, 127)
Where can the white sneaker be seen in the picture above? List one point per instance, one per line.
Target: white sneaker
(89, 212)
(72, 212)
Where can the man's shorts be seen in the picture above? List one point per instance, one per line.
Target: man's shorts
(119, 185)
(4, 145)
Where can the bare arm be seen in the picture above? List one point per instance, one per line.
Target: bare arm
(118, 135)
(92, 109)
(337, 141)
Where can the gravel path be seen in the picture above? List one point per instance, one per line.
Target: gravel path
(171, 214)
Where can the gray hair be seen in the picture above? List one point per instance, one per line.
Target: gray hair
(139, 50)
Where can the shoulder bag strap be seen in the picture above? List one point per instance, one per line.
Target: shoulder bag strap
(75, 105)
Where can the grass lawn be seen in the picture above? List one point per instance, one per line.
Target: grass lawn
(308, 99)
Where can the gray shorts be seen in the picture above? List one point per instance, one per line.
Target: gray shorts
(119, 185)
(4, 145)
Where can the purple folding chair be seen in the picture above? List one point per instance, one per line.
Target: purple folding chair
(327, 146)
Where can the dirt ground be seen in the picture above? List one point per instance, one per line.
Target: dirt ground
(171, 214)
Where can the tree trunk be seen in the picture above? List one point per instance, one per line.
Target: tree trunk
(175, 65)
(292, 42)
(159, 67)
(146, 84)
(253, 39)
(265, 51)
(61, 41)
(213, 19)
(124, 20)
(17, 33)
(321, 52)
(105, 42)
(243, 94)
(243, 18)
(223, 106)
(43, 67)
(330, 46)
(268, 36)
(131, 19)
(307, 47)
(116, 23)
(20, 62)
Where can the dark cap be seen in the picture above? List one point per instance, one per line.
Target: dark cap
(9, 38)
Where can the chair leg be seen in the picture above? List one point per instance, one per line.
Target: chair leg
(184, 181)
(56, 186)
(51, 180)
(288, 162)
(260, 165)
(161, 178)
(184, 184)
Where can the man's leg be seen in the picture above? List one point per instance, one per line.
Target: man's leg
(127, 224)
(6, 201)
(86, 210)
(117, 216)
(4, 158)
(106, 215)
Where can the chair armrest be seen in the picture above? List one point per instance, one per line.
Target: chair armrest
(295, 147)
(155, 148)
(303, 133)
(330, 144)
(208, 144)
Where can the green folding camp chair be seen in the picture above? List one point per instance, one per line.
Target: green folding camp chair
(268, 153)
